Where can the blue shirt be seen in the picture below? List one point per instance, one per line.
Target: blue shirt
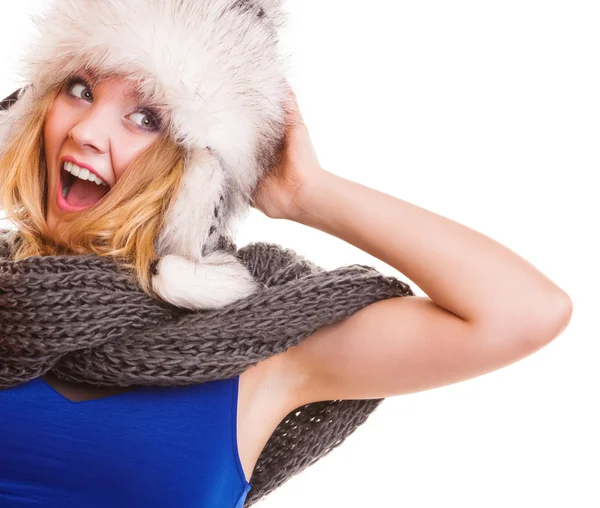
(172, 447)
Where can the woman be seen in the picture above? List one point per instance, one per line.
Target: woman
(466, 326)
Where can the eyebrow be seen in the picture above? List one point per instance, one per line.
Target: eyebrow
(135, 94)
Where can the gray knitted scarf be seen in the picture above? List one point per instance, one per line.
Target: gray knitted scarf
(85, 319)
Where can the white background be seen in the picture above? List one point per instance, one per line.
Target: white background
(487, 113)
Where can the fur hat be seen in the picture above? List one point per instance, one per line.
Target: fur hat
(215, 69)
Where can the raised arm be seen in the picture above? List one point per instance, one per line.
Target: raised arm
(486, 307)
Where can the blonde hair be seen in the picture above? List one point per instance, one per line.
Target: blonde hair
(124, 225)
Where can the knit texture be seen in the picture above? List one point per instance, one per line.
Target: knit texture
(85, 319)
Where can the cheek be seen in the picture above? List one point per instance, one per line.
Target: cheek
(126, 152)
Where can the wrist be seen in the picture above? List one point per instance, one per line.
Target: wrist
(310, 195)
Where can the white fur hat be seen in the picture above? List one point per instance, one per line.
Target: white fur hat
(216, 69)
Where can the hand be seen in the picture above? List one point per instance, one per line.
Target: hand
(278, 193)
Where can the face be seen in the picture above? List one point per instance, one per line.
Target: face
(102, 130)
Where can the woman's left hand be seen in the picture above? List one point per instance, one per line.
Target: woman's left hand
(278, 194)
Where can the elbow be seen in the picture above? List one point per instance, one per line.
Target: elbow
(548, 318)
(565, 312)
(536, 321)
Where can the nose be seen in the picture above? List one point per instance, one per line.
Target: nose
(92, 128)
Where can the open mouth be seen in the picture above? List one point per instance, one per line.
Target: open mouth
(76, 194)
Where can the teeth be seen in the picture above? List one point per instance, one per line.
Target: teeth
(83, 173)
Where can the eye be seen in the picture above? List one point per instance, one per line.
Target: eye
(73, 83)
(150, 123)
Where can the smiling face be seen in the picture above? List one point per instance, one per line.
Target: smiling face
(102, 129)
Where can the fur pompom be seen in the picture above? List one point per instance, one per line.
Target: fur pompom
(218, 280)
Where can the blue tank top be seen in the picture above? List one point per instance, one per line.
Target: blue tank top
(148, 447)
